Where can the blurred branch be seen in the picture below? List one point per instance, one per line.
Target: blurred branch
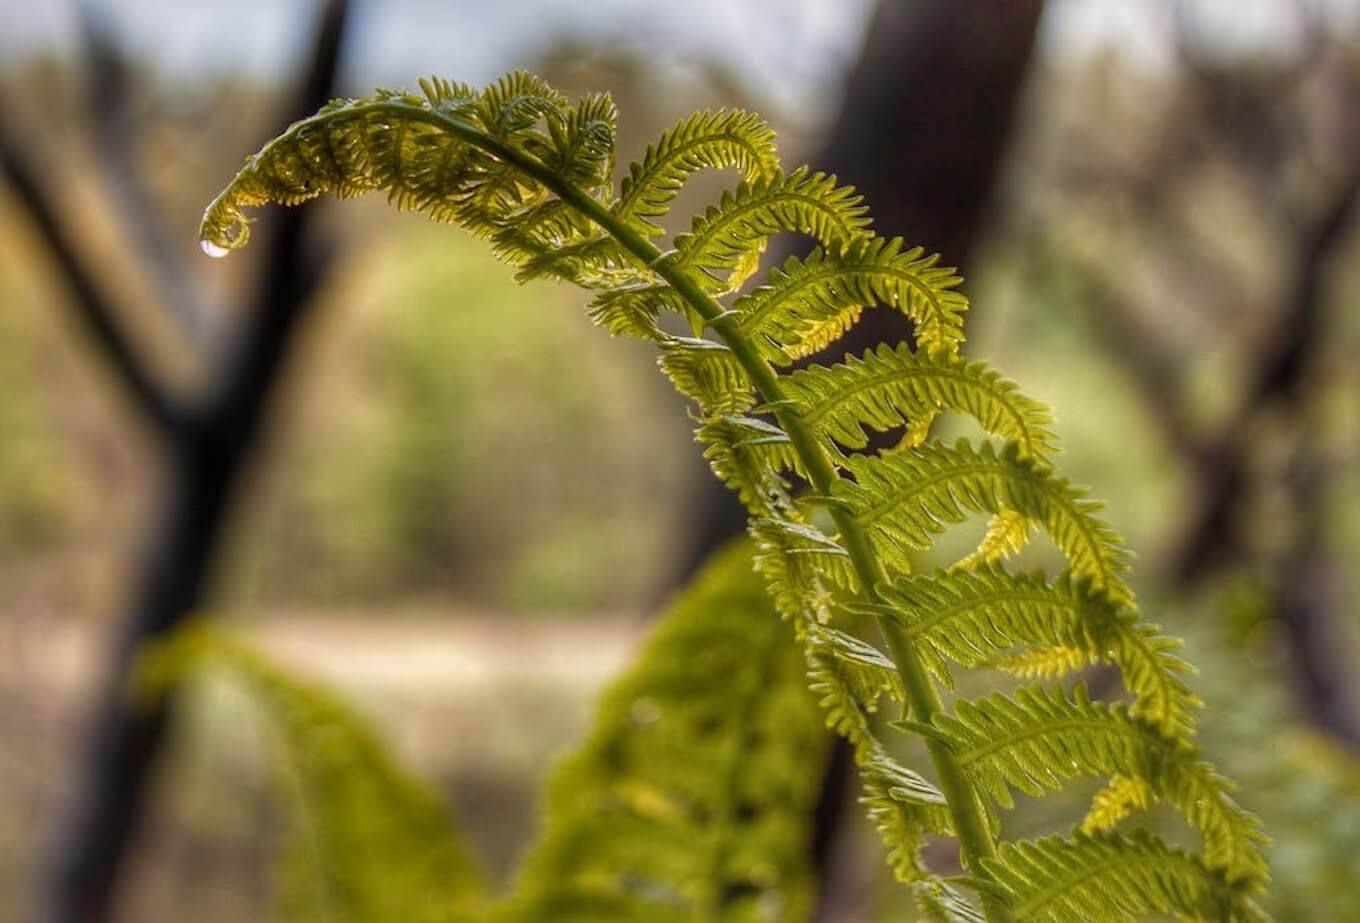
(1252, 117)
(1241, 105)
(92, 307)
(208, 449)
(1280, 368)
(1307, 597)
(1116, 326)
(108, 105)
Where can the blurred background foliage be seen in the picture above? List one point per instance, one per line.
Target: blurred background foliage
(443, 448)
(470, 499)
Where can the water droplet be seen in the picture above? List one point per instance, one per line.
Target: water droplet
(216, 251)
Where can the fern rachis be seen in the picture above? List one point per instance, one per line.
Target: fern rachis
(519, 165)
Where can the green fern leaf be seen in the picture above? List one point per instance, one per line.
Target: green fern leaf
(1042, 662)
(804, 295)
(903, 500)
(691, 798)
(939, 903)
(705, 140)
(727, 240)
(887, 388)
(808, 554)
(633, 310)
(456, 157)
(979, 618)
(749, 455)
(707, 372)
(906, 811)
(371, 844)
(1124, 796)
(1058, 880)
(867, 670)
(904, 807)
(1039, 738)
(582, 142)
(516, 102)
(1007, 534)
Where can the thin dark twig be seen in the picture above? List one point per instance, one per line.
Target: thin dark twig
(108, 103)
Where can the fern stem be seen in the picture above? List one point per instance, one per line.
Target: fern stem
(965, 805)
(923, 698)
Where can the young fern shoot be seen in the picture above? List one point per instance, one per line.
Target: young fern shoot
(521, 166)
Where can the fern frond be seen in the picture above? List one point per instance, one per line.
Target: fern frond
(940, 903)
(904, 499)
(904, 808)
(832, 286)
(707, 372)
(801, 593)
(906, 811)
(582, 142)
(750, 456)
(633, 310)
(817, 335)
(727, 240)
(457, 157)
(849, 677)
(691, 798)
(371, 842)
(1059, 880)
(543, 245)
(1007, 534)
(809, 554)
(1123, 796)
(898, 796)
(979, 618)
(887, 388)
(1042, 662)
(1039, 738)
(867, 670)
(521, 167)
(705, 140)
(516, 102)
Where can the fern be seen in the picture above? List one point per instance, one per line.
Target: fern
(888, 388)
(902, 500)
(1060, 880)
(977, 619)
(809, 303)
(727, 138)
(690, 799)
(730, 236)
(369, 843)
(522, 167)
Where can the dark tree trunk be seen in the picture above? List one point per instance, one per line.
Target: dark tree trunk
(208, 452)
(207, 444)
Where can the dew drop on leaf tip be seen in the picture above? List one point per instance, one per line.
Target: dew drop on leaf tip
(216, 251)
